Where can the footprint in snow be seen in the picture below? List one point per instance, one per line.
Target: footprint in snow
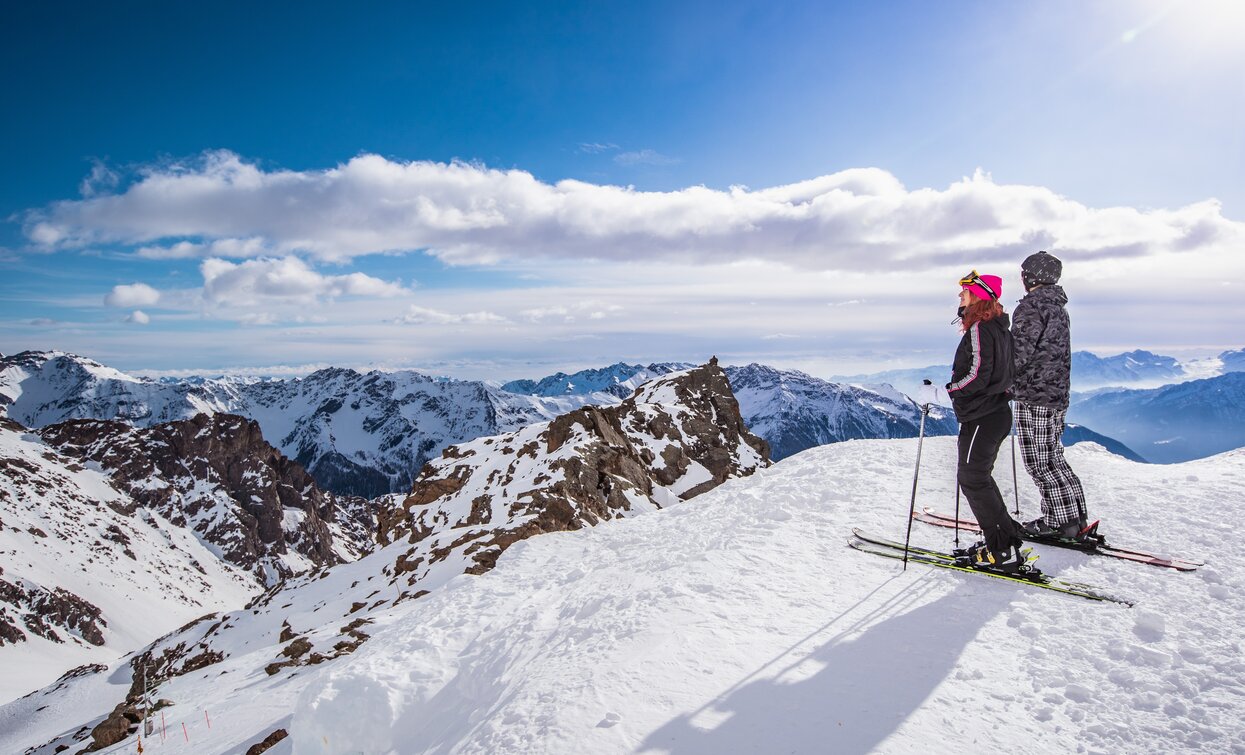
(611, 719)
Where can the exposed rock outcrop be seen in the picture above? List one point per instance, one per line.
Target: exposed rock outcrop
(673, 439)
(268, 742)
(48, 614)
(217, 475)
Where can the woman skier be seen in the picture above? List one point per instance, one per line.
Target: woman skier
(980, 378)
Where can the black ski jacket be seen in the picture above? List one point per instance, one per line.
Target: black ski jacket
(1043, 348)
(982, 371)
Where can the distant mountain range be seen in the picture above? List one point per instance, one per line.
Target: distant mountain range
(617, 380)
(1090, 371)
(1134, 369)
(364, 434)
(369, 434)
(1233, 361)
(1174, 423)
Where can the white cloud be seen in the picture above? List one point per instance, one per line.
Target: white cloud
(133, 295)
(594, 148)
(101, 178)
(258, 318)
(645, 157)
(287, 279)
(861, 219)
(235, 248)
(416, 315)
(592, 309)
(537, 314)
(138, 317)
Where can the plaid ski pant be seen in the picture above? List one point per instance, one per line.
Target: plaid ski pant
(1040, 429)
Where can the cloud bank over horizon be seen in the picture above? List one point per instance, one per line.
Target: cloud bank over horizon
(221, 206)
(840, 273)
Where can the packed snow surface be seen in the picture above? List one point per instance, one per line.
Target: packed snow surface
(740, 622)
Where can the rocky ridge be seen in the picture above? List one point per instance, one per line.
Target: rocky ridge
(217, 476)
(673, 439)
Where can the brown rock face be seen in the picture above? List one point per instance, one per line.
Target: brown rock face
(673, 439)
(187, 469)
(114, 728)
(44, 612)
(269, 742)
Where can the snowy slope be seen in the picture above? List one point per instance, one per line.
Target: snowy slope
(85, 578)
(740, 622)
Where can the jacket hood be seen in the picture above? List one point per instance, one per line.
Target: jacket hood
(1052, 293)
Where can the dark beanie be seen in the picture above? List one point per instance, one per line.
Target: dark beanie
(1041, 269)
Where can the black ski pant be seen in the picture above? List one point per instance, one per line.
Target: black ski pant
(979, 445)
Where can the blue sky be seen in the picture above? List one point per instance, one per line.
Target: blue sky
(501, 190)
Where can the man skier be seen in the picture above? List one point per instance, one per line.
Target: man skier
(1043, 376)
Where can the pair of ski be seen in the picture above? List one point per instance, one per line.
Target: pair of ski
(1092, 542)
(1033, 577)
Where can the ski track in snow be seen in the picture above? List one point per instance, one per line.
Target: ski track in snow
(741, 622)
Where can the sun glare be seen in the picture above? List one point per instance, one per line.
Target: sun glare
(1197, 27)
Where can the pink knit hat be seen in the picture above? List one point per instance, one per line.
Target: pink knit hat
(990, 291)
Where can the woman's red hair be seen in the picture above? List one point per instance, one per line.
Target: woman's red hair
(980, 310)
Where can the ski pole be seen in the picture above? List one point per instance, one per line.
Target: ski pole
(1015, 482)
(915, 475)
(957, 509)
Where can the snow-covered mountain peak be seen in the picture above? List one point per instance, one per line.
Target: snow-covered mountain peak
(676, 437)
(617, 380)
(795, 411)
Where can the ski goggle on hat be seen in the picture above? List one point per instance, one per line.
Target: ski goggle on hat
(986, 287)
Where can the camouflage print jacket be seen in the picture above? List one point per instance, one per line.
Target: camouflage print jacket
(1043, 348)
